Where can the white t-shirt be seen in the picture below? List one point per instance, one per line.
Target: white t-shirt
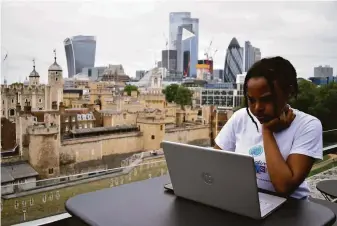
(304, 136)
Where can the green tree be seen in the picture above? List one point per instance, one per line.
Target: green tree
(307, 93)
(183, 96)
(170, 92)
(17, 83)
(129, 88)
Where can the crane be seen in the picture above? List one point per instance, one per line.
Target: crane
(207, 50)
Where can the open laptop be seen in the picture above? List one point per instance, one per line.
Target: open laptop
(222, 179)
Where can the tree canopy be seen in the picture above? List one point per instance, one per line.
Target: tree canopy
(129, 88)
(178, 94)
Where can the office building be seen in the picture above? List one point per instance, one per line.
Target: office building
(323, 80)
(252, 54)
(187, 50)
(140, 74)
(169, 60)
(257, 52)
(80, 53)
(93, 73)
(208, 62)
(233, 61)
(218, 74)
(323, 71)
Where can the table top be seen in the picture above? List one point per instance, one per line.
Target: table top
(146, 203)
(328, 187)
(332, 206)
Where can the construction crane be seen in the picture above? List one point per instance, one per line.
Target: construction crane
(213, 55)
(207, 50)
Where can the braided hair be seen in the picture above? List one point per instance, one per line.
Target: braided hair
(272, 69)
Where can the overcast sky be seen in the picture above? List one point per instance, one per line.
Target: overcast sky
(131, 33)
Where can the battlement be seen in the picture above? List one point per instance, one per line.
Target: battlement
(14, 88)
(151, 120)
(151, 116)
(43, 129)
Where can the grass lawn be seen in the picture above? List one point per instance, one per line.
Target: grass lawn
(323, 168)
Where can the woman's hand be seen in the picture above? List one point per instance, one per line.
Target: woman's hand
(281, 123)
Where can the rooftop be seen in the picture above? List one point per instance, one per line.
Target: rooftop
(11, 172)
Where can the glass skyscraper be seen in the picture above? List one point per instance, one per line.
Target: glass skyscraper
(233, 61)
(187, 50)
(80, 52)
(252, 55)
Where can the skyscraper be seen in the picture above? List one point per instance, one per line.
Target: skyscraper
(169, 64)
(252, 55)
(218, 74)
(233, 61)
(323, 71)
(80, 52)
(187, 50)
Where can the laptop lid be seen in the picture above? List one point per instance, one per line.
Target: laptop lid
(218, 178)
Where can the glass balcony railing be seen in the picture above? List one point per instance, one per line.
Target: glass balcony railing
(45, 198)
(30, 201)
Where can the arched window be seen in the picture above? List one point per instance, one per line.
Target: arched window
(11, 112)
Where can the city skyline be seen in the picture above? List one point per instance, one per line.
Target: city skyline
(136, 40)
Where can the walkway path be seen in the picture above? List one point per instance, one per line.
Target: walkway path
(330, 174)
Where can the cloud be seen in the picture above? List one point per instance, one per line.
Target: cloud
(131, 32)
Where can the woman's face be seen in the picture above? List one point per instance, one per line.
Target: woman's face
(261, 101)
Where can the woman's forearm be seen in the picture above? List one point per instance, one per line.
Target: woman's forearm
(279, 172)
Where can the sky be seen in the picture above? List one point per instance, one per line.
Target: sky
(133, 33)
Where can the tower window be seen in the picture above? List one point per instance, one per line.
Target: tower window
(55, 72)
(51, 170)
(11, 112)
(12, 100)
(55, 79)
(40, 100)
(152, 137)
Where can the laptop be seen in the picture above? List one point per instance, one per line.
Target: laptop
(221, 179)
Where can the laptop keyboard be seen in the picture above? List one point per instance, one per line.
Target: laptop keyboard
(264, 205)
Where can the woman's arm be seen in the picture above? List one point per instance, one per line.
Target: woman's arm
(217, 147)
(285, 175)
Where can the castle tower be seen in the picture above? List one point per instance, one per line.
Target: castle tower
(23, 120)
(34, 77)
(44, 153)
(55, 80)
(152, 124)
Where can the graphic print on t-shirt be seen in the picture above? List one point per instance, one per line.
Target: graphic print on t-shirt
(257, 152)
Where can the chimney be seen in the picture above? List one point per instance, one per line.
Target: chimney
(54, 105)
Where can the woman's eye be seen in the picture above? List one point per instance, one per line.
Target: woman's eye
(251, 100)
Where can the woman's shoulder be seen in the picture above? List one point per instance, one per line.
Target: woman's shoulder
(240, 114)
(240, 117)
(307, 121)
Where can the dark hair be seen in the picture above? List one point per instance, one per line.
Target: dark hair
(272, 69)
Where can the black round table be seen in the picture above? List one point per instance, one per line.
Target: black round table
(328, 188)
(145, 203)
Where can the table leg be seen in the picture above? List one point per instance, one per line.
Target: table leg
(328, 198)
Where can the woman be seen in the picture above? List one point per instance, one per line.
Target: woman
(286, 141)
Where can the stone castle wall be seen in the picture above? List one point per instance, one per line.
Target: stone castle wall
(197, 135)
(102, 152)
